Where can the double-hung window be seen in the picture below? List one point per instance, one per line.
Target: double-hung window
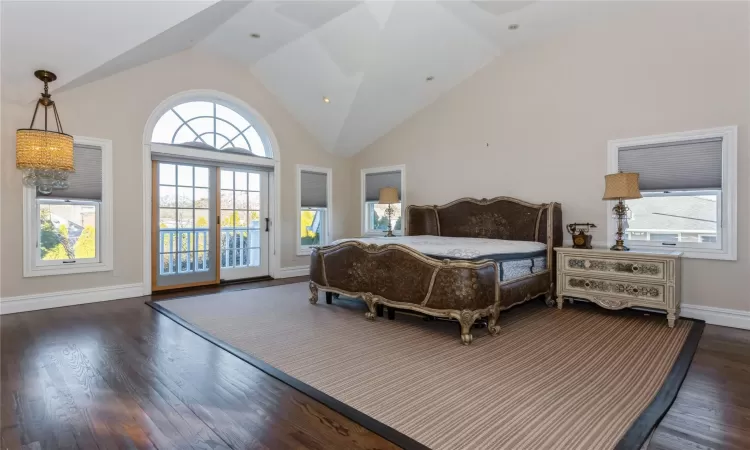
(688, 183)
(314, 189)
(375, 217)
(68, 230)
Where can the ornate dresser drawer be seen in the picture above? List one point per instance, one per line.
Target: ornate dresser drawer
(625, 289)
(613, 266)
(620, 279)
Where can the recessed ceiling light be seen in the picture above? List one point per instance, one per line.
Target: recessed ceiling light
(513, 26)
(430, 78)
(255, 35)
(326, 100)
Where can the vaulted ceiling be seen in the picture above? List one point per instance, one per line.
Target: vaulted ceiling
(371, 59)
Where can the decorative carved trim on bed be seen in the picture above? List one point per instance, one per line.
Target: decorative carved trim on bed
(498, 217)
(399, 276)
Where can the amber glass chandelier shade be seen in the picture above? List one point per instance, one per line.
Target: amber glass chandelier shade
(44, 156)
(47, 150)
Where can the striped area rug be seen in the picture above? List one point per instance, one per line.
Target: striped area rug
(576, 378)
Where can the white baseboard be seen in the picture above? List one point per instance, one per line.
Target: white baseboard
(718, 316)
(10, 305)
(289, 272)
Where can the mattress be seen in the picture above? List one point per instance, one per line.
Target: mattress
(514, 258)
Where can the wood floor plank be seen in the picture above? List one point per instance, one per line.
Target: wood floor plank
(119, 375)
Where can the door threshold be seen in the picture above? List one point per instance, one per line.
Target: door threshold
(244, 280)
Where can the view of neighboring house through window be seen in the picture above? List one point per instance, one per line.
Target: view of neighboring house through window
(375, 213)
(68, 219)
(684, 183)
(669, 217)
(314, 201)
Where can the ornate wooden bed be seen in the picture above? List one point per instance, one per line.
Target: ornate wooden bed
(400, 277)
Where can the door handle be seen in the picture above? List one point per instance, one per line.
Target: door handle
(268, 221)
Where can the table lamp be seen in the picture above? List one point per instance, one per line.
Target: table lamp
(621, 186)
(389, 196)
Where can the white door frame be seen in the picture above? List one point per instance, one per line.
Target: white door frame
(274, 193)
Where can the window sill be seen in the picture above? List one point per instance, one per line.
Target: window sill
(690, 252)
(65, 270)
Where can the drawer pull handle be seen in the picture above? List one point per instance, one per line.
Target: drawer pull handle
(587, 284)
(636, 268)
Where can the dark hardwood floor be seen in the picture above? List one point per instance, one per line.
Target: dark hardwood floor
(120, 375)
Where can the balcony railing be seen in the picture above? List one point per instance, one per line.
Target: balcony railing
(187, 250)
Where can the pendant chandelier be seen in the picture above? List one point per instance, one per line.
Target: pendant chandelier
(44, 156)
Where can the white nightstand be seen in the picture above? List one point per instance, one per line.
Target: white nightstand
(617, 280)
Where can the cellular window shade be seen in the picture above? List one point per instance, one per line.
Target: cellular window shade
(314, 189)
(86, 182)
(674, 166)
(375, 181)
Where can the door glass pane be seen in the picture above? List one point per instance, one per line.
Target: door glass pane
(253, 182)
(167, 196)
(227, 179)
(167, 174)
(167, 218)
(201, 177)
(227, 218)
(240, 200)
(202, 218)
(254, 200)
(185, 175)
(227, 199)
(201, 198)
(185, 197)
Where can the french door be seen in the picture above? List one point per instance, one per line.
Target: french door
(209, 224)
(244, 224)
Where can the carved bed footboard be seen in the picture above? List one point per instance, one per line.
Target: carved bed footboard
(397, 276)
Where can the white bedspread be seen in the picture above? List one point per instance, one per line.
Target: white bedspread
(456, 247)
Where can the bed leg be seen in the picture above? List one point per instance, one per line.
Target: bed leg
(391, 313)
(371, 306)
(313, 293)
(492, 327)
(466, 320)
(379, 310)
(549, 299)
(329, 297)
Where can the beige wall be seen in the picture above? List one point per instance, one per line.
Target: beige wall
(535, 123)
(117, 108)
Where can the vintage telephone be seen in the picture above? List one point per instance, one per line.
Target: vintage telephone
(579, 231)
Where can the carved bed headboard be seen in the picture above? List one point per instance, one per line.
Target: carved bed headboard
(495, 218)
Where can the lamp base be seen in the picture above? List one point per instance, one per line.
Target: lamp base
(389, 234)
(619, 246)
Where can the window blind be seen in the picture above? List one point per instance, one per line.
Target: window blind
(86, 182)
(314, 189)
(687, 165)
(375, 181)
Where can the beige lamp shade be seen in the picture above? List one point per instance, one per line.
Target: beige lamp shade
(621, 186)
(388, 195)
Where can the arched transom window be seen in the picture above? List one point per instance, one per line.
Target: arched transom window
(211, 126)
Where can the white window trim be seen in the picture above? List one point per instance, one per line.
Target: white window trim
(105, 236)
(363, 196)
(728, 207)
(305, 250)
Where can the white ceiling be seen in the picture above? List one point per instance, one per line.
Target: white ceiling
(371, 58)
